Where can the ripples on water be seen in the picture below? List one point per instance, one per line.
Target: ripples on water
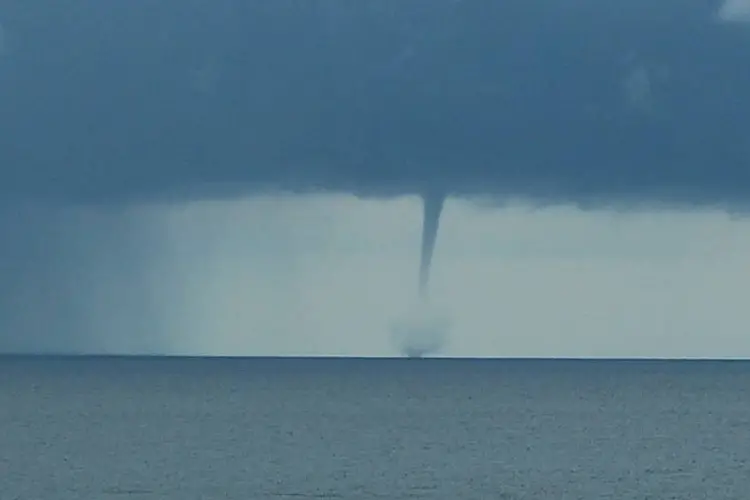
(181, 429)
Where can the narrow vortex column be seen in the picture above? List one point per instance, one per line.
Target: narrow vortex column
(432, 207)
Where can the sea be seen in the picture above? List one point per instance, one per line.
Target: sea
(148, 428)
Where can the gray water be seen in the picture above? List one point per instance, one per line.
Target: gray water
(180, 429)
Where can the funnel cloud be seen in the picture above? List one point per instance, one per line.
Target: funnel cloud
(433, 206)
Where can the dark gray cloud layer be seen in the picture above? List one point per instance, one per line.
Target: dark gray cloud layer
(576, 100)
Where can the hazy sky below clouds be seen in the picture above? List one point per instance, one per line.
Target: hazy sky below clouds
(326, 275)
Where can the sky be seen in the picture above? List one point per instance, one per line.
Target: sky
(596, 191)
(516, 282)
(329, 274)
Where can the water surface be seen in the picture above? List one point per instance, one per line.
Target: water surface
(192, 428)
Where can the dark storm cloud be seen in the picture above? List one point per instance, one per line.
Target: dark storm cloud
(583, 100)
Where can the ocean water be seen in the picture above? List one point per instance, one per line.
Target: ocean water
(181, 429)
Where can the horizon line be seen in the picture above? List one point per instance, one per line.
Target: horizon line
(370, 358)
